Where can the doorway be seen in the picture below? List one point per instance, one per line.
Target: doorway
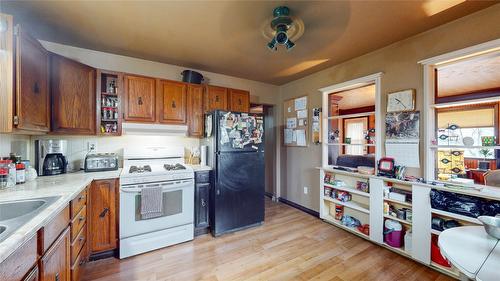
(269, 145)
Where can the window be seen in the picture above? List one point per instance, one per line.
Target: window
(355, 132)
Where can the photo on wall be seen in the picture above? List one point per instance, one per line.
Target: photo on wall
(402, 125)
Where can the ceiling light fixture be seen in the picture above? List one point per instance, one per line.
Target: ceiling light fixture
(281, 24)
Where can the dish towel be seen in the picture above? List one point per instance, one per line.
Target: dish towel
(151, 202)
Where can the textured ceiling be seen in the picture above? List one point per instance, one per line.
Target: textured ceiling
(225, 36)
(470, 76)
(355, 98)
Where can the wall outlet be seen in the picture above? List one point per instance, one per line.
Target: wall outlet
(91, 146)
(306, 189)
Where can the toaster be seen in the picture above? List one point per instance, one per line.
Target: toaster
(97, 162)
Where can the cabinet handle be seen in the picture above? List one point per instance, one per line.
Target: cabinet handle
(81, 238)
(139, 100)
(216, 98)
(239, 101)
(101, 215)
(57, 277)
(173, 104)
(81, 218)
(80, 198)
(36, 88)
(203, 203)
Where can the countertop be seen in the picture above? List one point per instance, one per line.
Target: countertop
(68, 186)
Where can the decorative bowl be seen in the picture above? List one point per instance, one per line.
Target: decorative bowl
(491, 225)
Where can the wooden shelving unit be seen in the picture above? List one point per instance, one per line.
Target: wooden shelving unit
(397, 219)
(349, 204)
(109, 102)
(348, 189)
(337, 223)
(407, 204)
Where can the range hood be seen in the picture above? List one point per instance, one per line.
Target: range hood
(154, 129)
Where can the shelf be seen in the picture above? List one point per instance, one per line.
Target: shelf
(496, 147)
(109, 94)
(397, 219)
(456, 216)
(397, 202)
(109, 120)
(349, 189)
(436, 232)
(346, 173)
(352, 144)
(362, 114)
(335, 222)
(447, 270)
(350, 204)
(397, 250)
(466, 102)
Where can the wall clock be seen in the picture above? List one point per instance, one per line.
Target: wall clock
(401, 101)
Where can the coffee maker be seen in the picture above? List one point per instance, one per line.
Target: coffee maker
(49, 157)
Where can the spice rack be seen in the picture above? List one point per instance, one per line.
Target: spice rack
(109, 93)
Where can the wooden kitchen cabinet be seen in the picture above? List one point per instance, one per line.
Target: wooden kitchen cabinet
(139, 99)
(201, 202)
(172, 101)
(55, 263)
(216, 98)
(239, 100)
(195, 110)
(73, 96)
(101, 213)
(18, 264)
(24, 86)
(32, 275)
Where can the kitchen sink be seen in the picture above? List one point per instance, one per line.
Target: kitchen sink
(14, 214)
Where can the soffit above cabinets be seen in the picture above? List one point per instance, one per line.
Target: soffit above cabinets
(225, 36)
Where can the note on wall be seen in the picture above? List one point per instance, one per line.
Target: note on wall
(288, 136)
(301, 114)
(291, 123)
(301, 103)
(301, 137)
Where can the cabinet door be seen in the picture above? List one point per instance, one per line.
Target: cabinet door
(172, 100)
(239, 100)
(102, 216)
(32, 275)
(216, 98)
(195, 110)
(202, 194)
(54, 265)
(73, 96)
(139, 99)
(32, 84)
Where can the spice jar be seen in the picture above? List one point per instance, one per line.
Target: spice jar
(4, 174)
(20, 173)
(11, 171)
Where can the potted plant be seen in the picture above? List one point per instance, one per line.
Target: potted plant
(485, 165)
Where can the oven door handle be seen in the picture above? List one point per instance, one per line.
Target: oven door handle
(166, 187)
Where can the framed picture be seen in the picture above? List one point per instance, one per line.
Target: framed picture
(401, 101)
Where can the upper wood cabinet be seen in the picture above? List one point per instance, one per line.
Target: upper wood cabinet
(172, 101)
(101, 213)
(239, 100)
(195, 110)
(32, 84)
(139, 98)
(216, 98)
(73, 96)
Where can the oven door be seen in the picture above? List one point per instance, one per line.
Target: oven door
(178, 207)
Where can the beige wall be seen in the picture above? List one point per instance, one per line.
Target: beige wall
(399, 64)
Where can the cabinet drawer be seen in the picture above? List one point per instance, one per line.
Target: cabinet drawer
(78, 222)
(78, 203)
(202, 177)
(78, 243)
(76, 267)
(19, 263)
(49, 233)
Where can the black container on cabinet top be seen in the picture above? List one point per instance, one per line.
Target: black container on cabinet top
(191, 76)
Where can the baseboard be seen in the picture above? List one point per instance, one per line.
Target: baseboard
(201, 231)
(103, 255)
(297, 206)
(268, 194)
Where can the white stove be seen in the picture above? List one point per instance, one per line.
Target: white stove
(155, 167)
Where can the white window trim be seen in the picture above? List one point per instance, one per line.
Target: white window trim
(429, 105)
(348, 85)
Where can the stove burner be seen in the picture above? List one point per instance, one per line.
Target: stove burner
(139, 169)
(170, 167)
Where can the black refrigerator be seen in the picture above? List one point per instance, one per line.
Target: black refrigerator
(235, 143)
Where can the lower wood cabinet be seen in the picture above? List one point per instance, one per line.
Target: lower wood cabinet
(55, 263)
(101, 212)
(19, 263)
(201, 202)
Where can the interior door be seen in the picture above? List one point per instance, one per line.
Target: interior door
(172, 101)
(139, 99)
(239, 191)
(73, 93)
(32, 88)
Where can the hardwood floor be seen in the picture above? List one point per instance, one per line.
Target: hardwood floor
(291, 245)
